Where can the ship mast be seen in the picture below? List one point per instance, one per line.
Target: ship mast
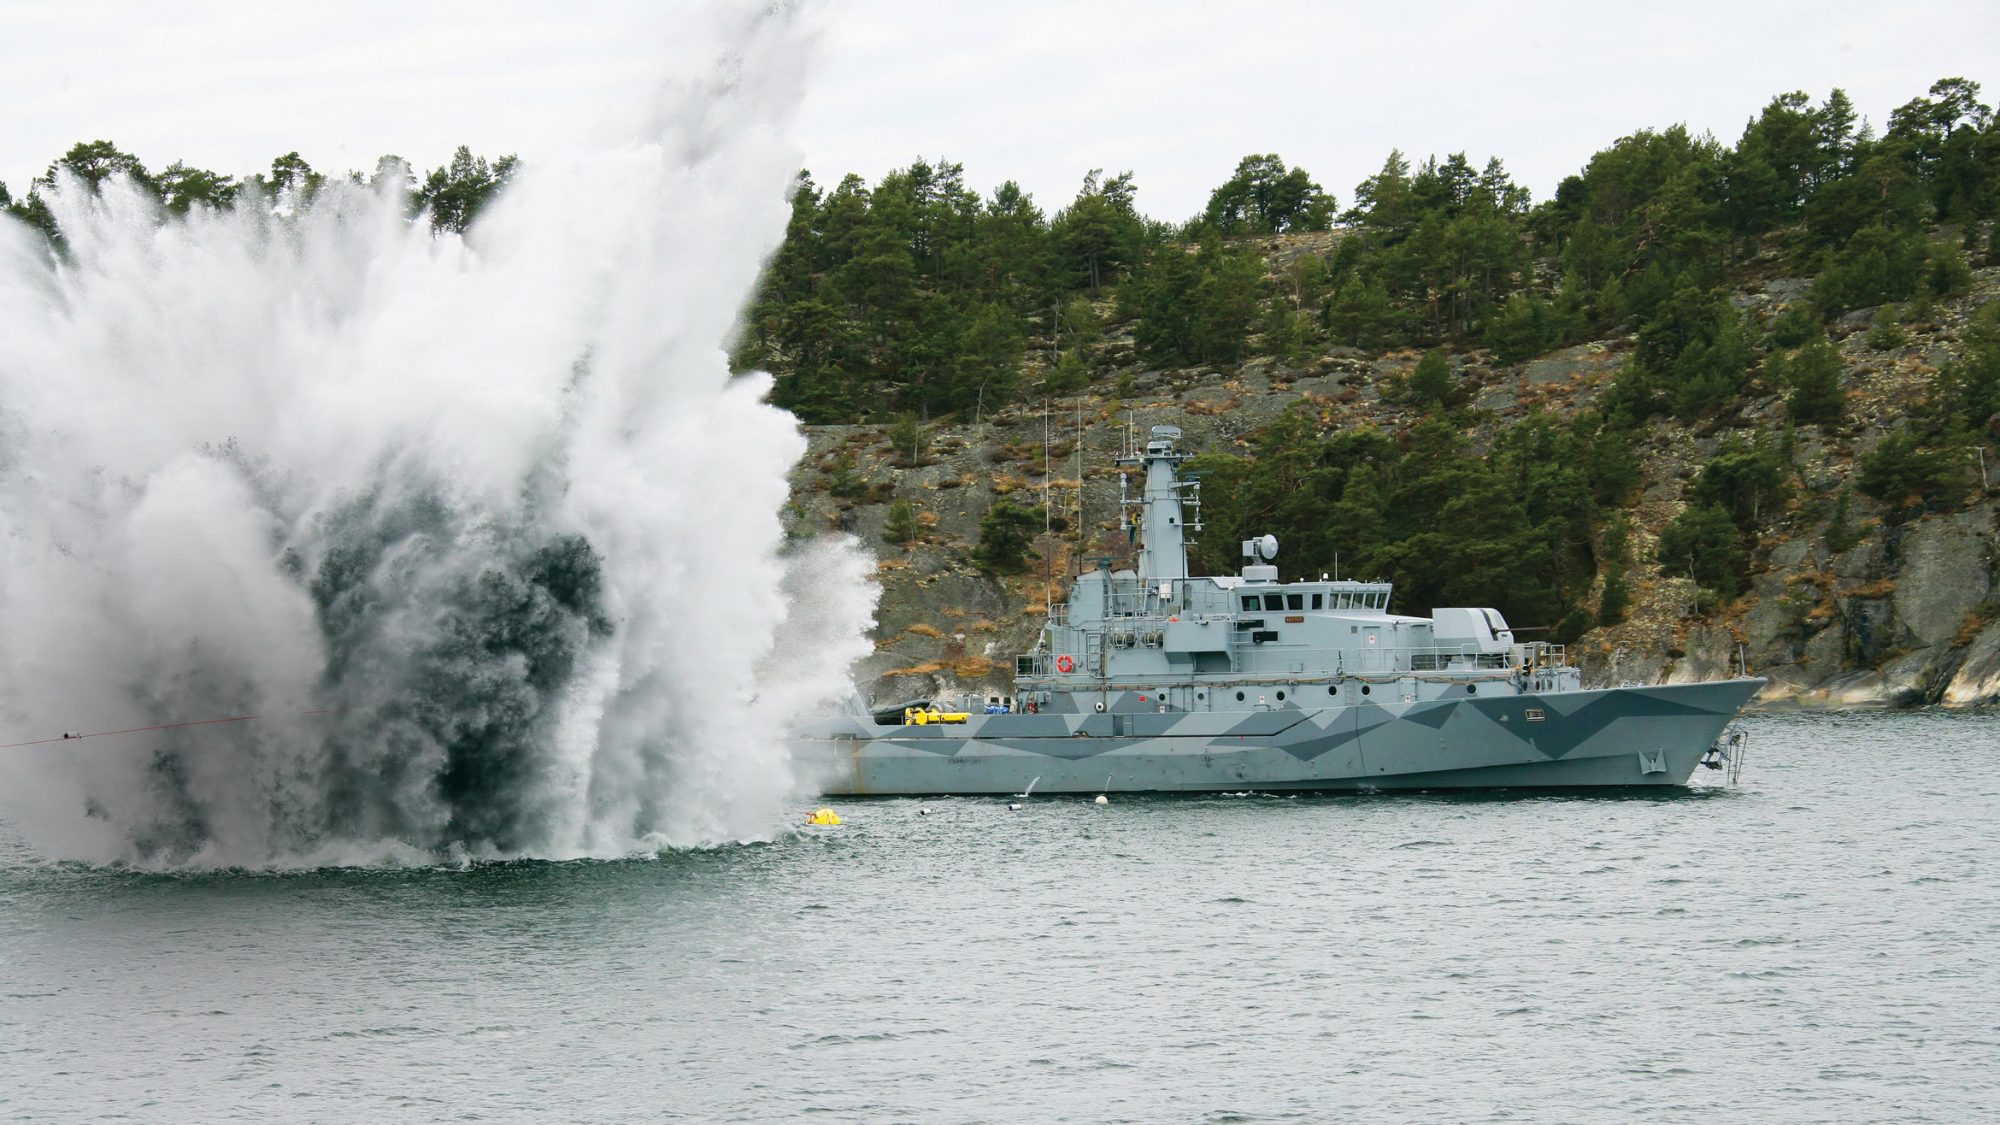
(1162, 526)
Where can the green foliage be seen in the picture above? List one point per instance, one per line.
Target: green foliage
(988, 368)
(1693, 357)
(1431, 382)
(1265, 197)
(94, 162)
(1287, 333)
(1313, 279)
(1529, 325)
(1878, 264)
(34, 211)
(911, 295)
(907, 439)
(915, 294)
(1607, 456)
(1965, 393)
(1903, 474)
(455, 193)
(901, 526)
(1946, 273)
(1080, 325)
(1797, 324)
(1072, 373)
(1195, 308)
(1746, 480)
(1617, 596)
(1362, 315)
(1447, 244)
(1813, 376)
(1841, 536)
(1512, 529)
(182, 188)
(1703, 543)
(1006, 532)
(1886, 333)
(1100, 234)
(843, 478)
(1945, 140)
(289, 174)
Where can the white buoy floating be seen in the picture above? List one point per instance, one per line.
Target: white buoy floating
(923, 812)
(1101, 800)
(1014, 806)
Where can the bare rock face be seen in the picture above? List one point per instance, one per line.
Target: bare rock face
(1711, 654)
(1945, 575)
(1568, 365)
(1977, 681)
(1901, 683)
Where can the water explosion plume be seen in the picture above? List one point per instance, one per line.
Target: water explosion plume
(494, 507)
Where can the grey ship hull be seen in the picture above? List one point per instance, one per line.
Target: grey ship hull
(1641, 736)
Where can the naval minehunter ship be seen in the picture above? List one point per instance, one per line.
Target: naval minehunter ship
(1155, 680)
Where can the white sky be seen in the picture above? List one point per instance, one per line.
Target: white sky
(1040, 92)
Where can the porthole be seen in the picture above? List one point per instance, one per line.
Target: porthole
(1472, 689)
(1239, 697)
(1281, 697)
(1333, 689)
(1364, 689)
(1201, 695)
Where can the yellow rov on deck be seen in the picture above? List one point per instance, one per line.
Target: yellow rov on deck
(919, 716)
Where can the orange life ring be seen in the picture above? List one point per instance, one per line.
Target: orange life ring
(1065, 663)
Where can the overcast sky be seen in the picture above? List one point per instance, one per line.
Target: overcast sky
(1040, 93)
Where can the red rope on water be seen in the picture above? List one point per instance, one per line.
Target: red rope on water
(142, 730)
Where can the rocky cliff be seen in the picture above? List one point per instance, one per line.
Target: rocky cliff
(1909, 613)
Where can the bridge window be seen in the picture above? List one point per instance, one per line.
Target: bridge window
(1274, 601)
(1317, 598)
(1250, 602)
(1295, 601)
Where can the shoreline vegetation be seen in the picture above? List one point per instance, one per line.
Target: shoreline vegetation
(1710, 404)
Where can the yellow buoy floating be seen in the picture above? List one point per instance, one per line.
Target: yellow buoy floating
(822, 816)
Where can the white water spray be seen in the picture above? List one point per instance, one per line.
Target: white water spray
(495, 505)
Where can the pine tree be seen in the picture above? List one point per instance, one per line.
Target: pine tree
(1006, 532)
(1431, 383)
(1703, 543)
(1814, 376)
(901, 527)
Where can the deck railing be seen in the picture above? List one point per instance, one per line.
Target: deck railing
(1315, 662)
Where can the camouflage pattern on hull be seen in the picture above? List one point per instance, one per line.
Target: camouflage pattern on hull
(1642, 736)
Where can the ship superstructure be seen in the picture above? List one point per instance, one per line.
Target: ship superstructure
(1152, 679)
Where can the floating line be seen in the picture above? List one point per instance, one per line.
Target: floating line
(142, 730)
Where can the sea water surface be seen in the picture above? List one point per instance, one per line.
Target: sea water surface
(1820, 944)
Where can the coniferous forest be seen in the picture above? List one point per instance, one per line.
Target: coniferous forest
(918, 298)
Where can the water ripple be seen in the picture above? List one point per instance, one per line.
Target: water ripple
(1718, 956)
